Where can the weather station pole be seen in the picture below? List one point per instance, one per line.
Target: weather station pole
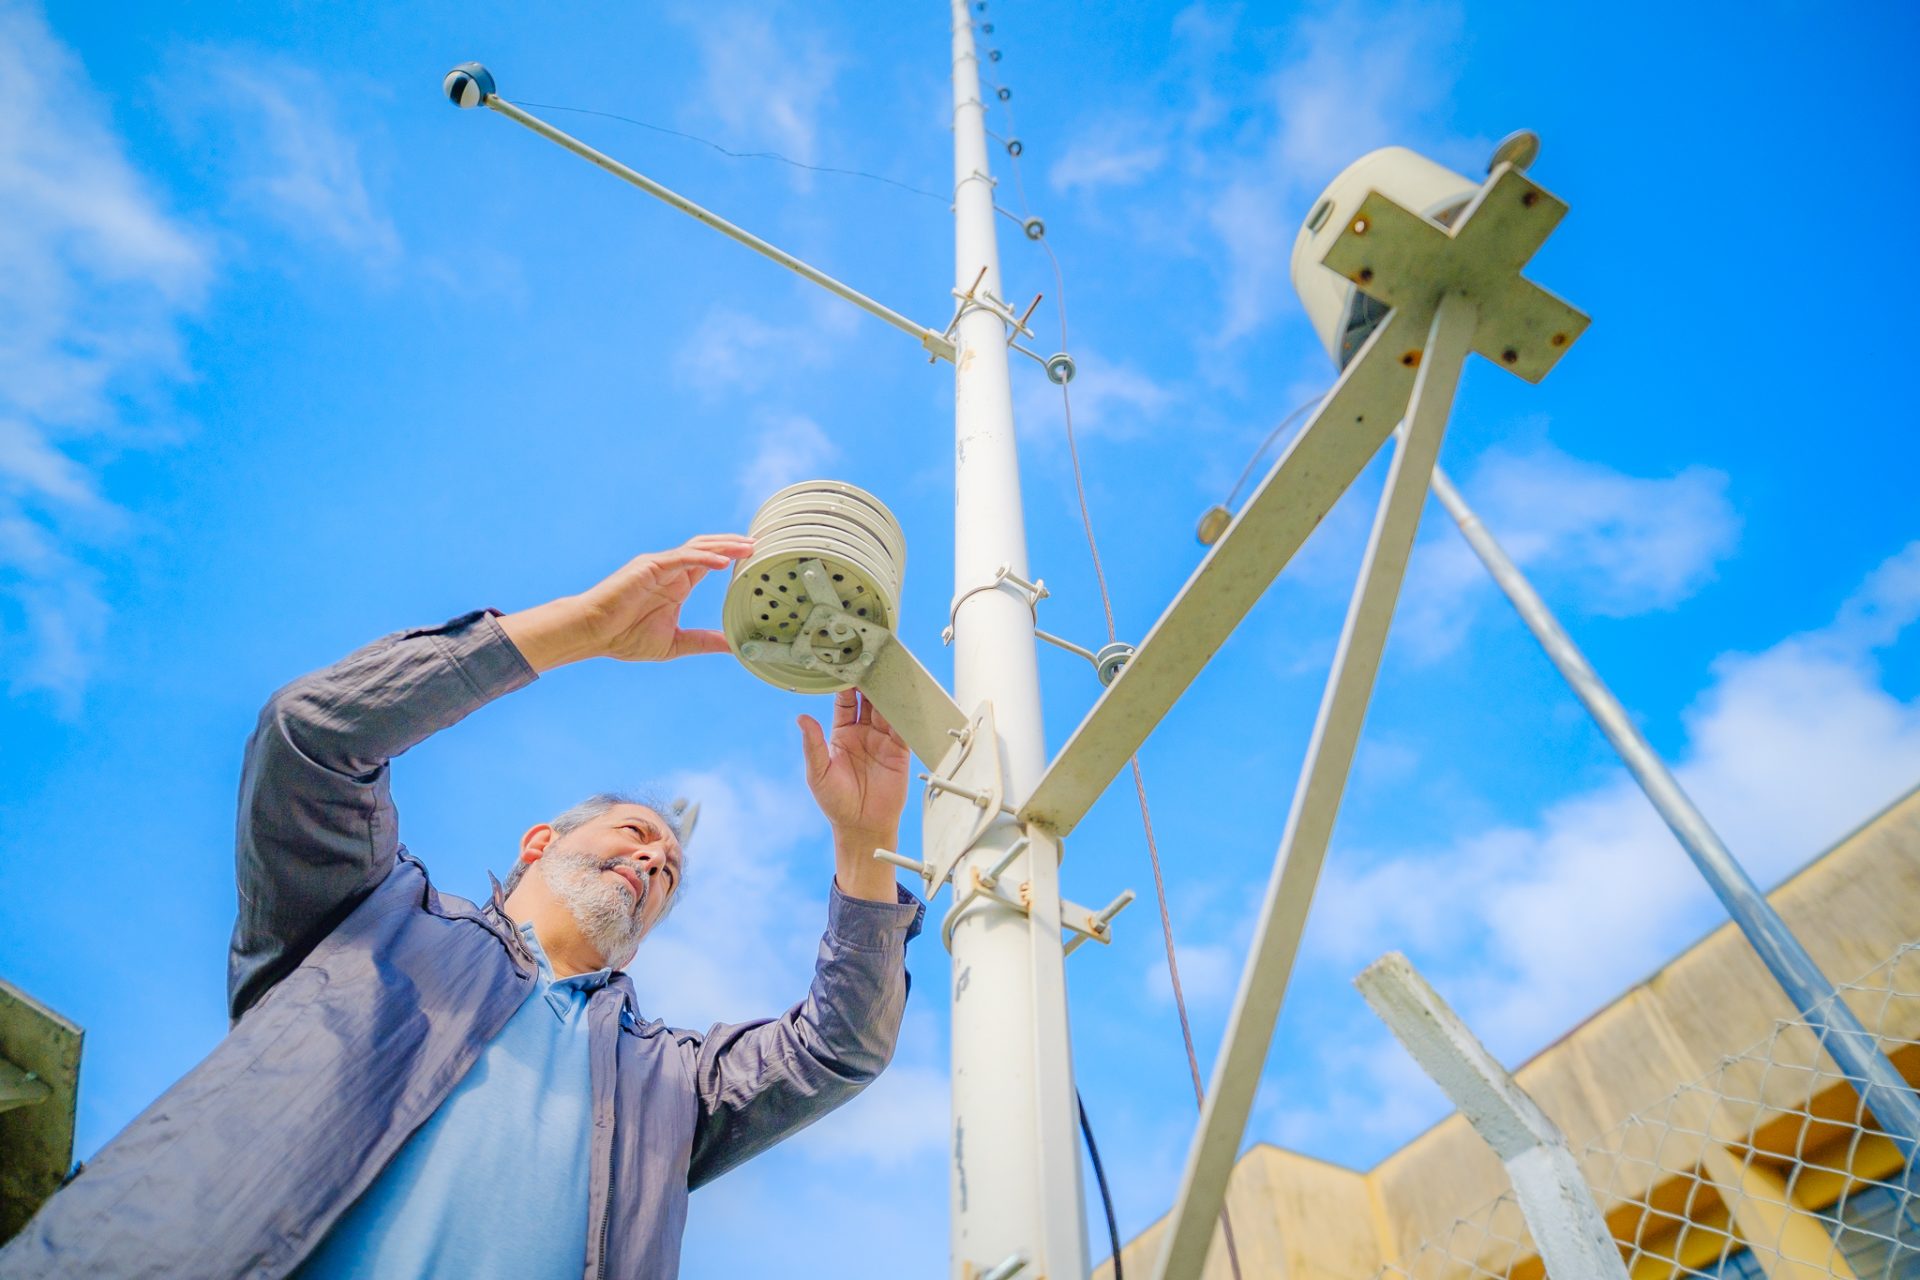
(1015, 1178)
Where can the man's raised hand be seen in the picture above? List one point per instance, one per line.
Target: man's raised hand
(859, 780)
(633, 614)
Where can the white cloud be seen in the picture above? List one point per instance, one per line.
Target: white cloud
(792, 448)
(1107, 160)
(97, 277)
(1113, 400)
(900, 1118)
(765, 86)
(285, 151)
(731, 350)
(1532, 927)
(1355, 81)
(1616, 544)
(1209, 974)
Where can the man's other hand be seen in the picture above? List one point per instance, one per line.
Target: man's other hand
(633, 615)
(859, 780)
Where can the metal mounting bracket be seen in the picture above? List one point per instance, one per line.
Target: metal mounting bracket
(1085, 924)
(1004, 576)
(965, 792)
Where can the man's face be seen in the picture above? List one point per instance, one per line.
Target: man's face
(617, 874)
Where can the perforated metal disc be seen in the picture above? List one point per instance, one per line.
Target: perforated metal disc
(853, 535)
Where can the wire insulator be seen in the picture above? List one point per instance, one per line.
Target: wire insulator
(1005, 94)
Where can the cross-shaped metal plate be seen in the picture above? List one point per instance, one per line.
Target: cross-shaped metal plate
(1407, 261)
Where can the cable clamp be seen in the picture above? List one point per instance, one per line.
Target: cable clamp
(1004, 576)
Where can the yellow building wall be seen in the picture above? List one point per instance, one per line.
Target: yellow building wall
(1853, 907)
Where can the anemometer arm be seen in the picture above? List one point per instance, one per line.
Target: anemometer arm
(472, 85)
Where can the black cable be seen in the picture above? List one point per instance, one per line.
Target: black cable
(1100, 1176)
(737, 155)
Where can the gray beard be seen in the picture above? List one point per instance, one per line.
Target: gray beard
(611, 923)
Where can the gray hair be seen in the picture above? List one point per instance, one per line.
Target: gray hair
(672, 814)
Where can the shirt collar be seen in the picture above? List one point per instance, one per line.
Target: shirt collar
(561, 993)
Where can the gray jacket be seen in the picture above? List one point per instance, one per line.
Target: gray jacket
(360, 996)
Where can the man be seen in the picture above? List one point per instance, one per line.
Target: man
(418, 1086)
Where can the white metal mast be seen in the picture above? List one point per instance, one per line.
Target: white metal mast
(1015, 1179)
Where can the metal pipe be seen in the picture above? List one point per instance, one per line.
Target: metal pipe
(1316, 798)
(928, 338)
(1882, 1087)
(1015, 1178)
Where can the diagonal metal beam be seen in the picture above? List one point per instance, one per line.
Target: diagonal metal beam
(1316, 801)
(1324, 460)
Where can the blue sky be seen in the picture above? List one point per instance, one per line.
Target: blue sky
(294, 354)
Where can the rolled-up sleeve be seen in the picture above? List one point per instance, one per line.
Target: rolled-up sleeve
(317, 829)
(760, 1081)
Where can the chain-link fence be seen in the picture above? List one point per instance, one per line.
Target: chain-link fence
(1767, 1166)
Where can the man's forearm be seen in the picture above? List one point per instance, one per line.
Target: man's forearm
(859, 873)
(551, 635)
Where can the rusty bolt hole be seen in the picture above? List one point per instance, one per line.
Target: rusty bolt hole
(1359, 226)
(1411, 359)
(1510, 355)
(1366, 274)
(1559, 339)
(1530, 199)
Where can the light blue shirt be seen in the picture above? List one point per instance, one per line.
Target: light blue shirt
(495, 1183)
